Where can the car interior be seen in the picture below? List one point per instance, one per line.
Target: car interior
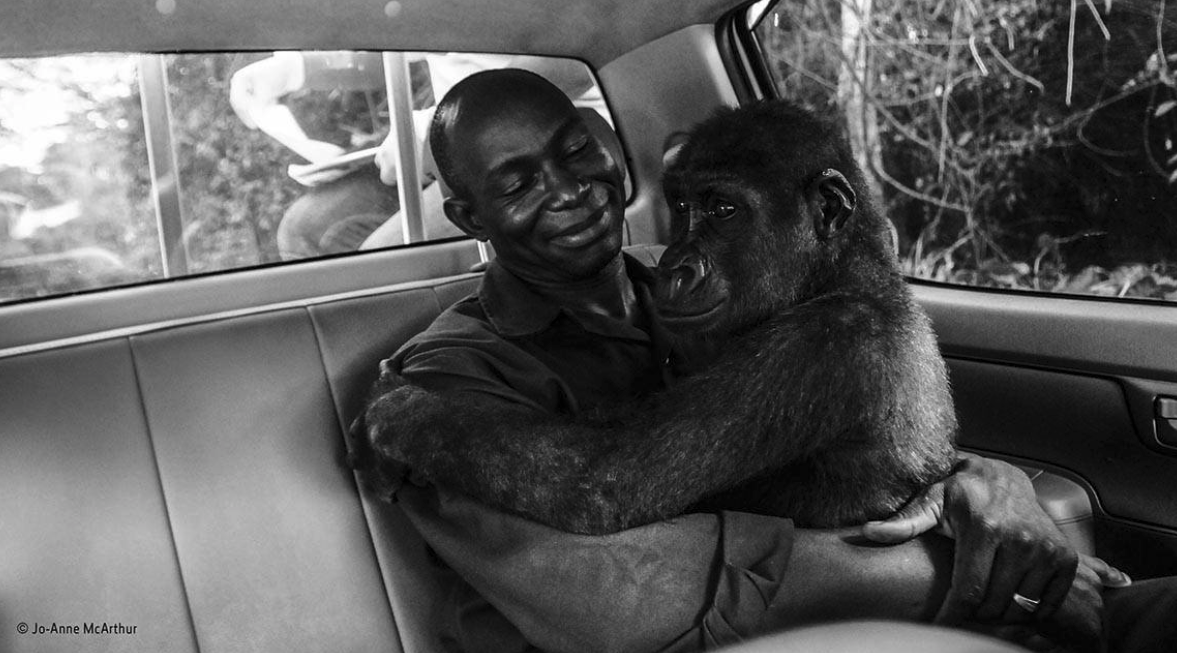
(172, 453)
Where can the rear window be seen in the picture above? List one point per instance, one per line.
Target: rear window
(124, 168)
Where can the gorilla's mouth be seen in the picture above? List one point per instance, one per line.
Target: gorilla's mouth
(679, 317)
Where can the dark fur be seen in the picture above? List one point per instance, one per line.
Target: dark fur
(827, 400)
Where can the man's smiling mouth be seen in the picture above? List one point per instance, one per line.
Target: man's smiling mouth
(586, 231)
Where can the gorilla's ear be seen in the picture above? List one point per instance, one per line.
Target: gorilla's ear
(835, 200)
(672, 147)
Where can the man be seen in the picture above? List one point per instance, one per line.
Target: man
(563, 322)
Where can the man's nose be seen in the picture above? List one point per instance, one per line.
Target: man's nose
(565, 188)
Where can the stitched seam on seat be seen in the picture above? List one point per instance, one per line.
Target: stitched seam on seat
(162, 493)
(336, 402)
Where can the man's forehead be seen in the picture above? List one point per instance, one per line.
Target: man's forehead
(502, 130)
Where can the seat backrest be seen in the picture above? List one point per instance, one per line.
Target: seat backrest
(189, 482)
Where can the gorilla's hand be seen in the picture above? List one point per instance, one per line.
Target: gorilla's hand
(382, 474)
(374, 441)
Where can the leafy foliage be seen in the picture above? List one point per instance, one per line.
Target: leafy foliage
(1016, 144)
(90, 170)
(233, 182)
(93, 162)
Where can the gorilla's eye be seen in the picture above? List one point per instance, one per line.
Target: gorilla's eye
(682, 208)
(723, 209)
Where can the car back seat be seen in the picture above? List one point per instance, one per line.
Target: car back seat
(189, 483)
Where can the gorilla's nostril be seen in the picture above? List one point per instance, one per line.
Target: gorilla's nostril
(682, 281)
(698, 271)
(681, 272)
(678, 283)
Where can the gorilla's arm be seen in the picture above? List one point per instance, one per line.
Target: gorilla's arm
(754, 409)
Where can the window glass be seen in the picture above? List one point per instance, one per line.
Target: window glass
(125, 168)
(1022, 144)
(75, 206)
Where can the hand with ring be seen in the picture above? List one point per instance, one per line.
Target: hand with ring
(1026, 603)
(1006, 545)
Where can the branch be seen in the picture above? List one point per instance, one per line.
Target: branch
(1014, 71)
(1071, 52)
(1107, 36)
(924, 197)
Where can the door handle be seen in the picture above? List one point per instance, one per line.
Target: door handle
(1165, 419)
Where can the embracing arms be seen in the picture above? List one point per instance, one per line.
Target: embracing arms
(816, 379)
(1003, 539)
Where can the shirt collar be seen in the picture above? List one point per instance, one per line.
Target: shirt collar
(515, 310)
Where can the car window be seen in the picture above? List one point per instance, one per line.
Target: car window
(1019, 144)
(126, 168)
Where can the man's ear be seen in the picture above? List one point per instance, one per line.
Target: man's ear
(463, 216)
(835, 200)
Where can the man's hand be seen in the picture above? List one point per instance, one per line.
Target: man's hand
(1074, 628)
(1005, 545)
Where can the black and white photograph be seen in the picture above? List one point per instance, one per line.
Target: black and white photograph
(588, 326)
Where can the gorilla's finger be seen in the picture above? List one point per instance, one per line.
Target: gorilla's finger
(1109, 576)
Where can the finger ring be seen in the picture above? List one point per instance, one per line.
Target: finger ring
(1029, 605)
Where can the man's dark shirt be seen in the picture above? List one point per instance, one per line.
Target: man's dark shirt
(509, 343)
(680, 585)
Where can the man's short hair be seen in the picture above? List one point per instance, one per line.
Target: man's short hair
(439, 145)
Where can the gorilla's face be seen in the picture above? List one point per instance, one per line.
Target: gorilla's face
(737, 252)
(759, 217)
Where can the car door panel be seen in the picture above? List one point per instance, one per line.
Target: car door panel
(1069, 385)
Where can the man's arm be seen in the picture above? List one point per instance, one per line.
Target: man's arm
(694, 582)
(254, 92)
(833, 576)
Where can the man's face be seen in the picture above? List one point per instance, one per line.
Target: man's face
(548, 195)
